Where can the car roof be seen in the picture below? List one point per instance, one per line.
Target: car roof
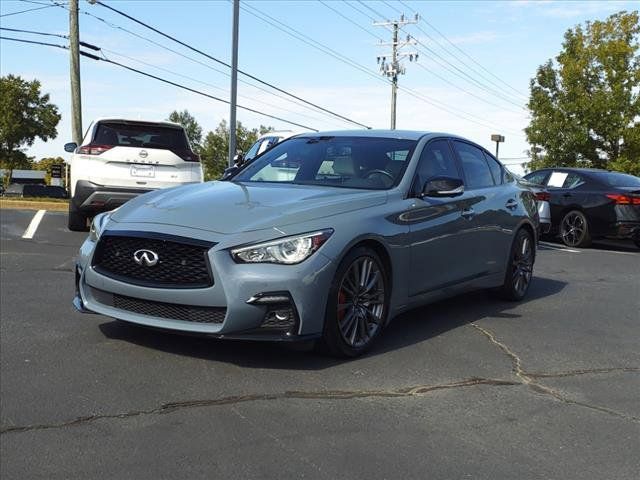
(137, 120)
(381, 133)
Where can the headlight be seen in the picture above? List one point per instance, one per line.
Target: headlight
(97, 225)
(288, 250)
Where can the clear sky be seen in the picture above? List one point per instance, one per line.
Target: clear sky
(508, 39)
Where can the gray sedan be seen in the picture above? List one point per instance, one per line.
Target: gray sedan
(325, 236)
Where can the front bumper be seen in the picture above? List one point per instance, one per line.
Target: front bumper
(232, 296)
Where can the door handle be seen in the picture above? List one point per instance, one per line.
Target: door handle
(566, 195)
(511, 204)
(468, 213)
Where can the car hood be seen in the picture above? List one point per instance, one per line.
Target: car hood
(229, 207)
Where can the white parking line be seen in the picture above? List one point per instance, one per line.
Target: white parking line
(33, 226)
(556, 247)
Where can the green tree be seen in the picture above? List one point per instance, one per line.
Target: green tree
(215, 148)
(191, 127)
(25, 115)
(585, 106)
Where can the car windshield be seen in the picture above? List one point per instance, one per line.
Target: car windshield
(615, 179)
(142, 135)
(349, 162)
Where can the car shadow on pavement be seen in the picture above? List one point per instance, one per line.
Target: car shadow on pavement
(407, 329)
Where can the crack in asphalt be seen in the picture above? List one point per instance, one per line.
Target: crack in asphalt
(529, 379)
(590, 371)
(413, 391)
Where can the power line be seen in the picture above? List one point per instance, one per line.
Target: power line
(25, 11)
(206, 65)
(17, 30)
(253, 77)
(175, 84)
(459, 72)
(430, 71)
(327, 50)
(22, 40)
(353, 22)
(463, 52)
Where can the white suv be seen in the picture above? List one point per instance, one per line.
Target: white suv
(120, 159)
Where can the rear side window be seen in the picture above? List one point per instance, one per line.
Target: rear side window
(496, 169)
(564, 180)
(141, 135)
(436, 160)
(476, 170)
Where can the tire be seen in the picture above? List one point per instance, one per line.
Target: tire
(356, 310)
(77, 221)
(517, 278)
(574, 229)
(636, 240)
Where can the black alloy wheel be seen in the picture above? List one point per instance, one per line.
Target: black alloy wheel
(358, 304)
(520, 268)
(574, 229)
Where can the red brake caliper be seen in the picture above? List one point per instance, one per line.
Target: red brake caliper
(342, 298)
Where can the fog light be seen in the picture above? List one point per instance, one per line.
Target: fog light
(280, 317)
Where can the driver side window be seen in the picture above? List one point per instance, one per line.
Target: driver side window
(436, 160)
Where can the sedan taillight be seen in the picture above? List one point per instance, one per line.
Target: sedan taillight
(620, 199)
(543, 196)
(93, 149)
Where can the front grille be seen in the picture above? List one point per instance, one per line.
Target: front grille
(170, 310)
(182, 262)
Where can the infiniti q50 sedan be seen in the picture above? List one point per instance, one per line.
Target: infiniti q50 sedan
(325, 236)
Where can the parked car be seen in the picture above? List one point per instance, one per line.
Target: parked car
(372, 224)
(14, 190)
(588, 203)
(121, 159)
(264, 143)
(542, 200)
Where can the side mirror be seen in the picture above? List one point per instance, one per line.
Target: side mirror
(443, 187)
(70, 147)
(238, 158)
(229, 172)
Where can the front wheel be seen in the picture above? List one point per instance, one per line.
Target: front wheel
(358, 304)
(520, 267)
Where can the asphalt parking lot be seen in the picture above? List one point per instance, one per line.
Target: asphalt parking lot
(470, 387)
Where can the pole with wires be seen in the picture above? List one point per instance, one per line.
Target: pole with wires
(234, 83)
(74, 54)
(395, 68)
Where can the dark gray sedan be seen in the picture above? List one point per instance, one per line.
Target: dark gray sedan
(325, 236)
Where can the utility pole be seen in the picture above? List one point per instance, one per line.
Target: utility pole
(234, 82)
(395, 68)
(74, 51)
(498, 139)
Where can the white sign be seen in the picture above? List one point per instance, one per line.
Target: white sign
(557, 179)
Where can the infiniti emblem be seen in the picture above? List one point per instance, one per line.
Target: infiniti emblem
(143, 154)
(146, 258)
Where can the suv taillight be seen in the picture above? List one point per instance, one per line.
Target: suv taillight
(187, 155)
(93, 149)
(543, 196)
(620, 199)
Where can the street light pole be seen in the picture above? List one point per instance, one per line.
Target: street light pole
(234, 83)
(498, 139)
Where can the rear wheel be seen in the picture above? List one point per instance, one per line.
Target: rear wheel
(574, 229)
(358, 304)
(77, 221)
(520, 268)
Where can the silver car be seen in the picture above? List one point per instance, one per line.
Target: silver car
(326, 236)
